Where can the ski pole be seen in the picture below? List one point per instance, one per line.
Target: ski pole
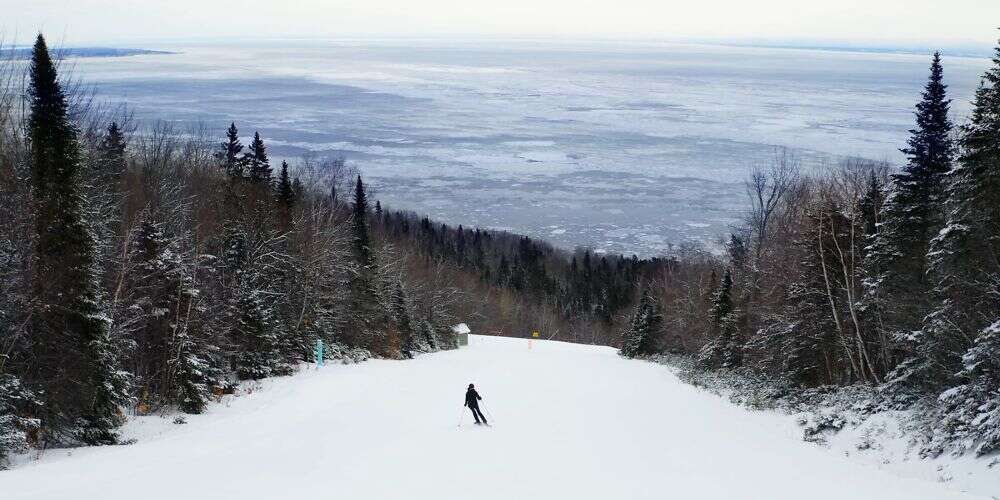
(487, 410)
(460, 415)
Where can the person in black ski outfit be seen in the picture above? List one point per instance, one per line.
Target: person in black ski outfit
(472, 401)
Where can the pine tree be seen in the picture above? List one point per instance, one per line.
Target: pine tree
(286, 193)
(104, 191)
(426, 331)
(253, 325)
(255, 330)
(170, 362)
(898, 290)
(229, 157)
(15, 401)
(411, 340)
(76, 370)
(724, 348)
(369, 318)
(642, 333)
(193, 371)
(872, 204)
(359, 225)
(111, 160)
(959, 350)
(257, 162)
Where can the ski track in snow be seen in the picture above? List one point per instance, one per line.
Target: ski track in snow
(571, 422)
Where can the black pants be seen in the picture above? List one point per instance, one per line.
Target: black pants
(476, 414)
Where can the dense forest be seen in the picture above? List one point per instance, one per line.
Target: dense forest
(152, 269)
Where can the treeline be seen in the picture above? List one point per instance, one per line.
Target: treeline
(860, 275)
(573, 296)
(156, 270)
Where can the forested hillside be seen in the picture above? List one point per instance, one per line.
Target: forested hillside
(146, 268)
(863, 275)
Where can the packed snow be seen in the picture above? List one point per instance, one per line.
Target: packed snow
(569, 422)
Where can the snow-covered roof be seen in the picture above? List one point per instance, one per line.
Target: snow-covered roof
(461, 328)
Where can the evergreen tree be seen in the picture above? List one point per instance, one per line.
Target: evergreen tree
(872, 204)
(428, 334)
(255, 329)
(76, 368)
(253, 325)
(359, 224)
(15, 400)
(958, 349)
(170, 363)
(898, 290)
(644, 328)
(257, 162)
(724, 348)
(411, 340)
(286, 193)
(111, 161)
(737, 250)
(369, 318)
(193, 371)
(229, 157)
(109, 164)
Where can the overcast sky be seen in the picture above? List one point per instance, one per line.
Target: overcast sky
(874, 22)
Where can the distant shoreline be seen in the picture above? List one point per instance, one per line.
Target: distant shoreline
(21, 53)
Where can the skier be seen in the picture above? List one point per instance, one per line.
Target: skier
(472, 402)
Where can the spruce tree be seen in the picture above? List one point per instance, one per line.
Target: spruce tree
(359, 225)
(285, 189)
(411, 340)
(76, 368)
(193, 370)
(16, 400)
(253, 325)
(105, 191)
(723, 350)
(229, 157)
(368, 317)
(111, 160)
(641, 335)
(258, 165)
(170, 362)
(958, 350)
(898, 289)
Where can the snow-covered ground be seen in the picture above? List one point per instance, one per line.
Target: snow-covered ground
(571, 422)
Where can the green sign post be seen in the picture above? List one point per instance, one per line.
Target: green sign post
(319, 353)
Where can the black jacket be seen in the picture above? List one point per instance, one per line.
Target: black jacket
(472, 398)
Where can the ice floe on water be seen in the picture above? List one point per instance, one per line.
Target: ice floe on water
(615, 143)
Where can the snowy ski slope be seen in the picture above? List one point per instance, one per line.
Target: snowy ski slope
(571, 422)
